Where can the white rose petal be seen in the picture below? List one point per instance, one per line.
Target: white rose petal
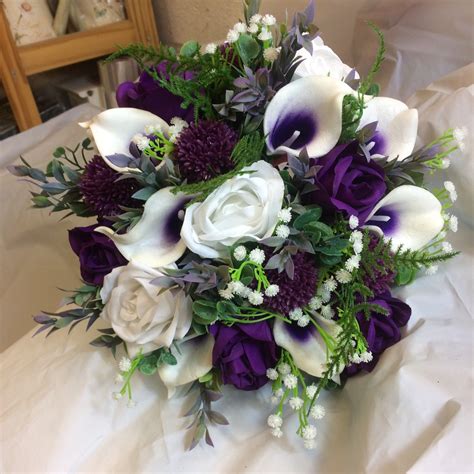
(244, 207)
(323, 62)
(144, 315)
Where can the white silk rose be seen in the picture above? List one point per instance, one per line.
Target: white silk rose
(244, 207)
(144, 315)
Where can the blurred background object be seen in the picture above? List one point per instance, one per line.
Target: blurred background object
(114, 73)
(30, 21)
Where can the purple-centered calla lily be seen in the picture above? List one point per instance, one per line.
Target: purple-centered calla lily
(114, 129)
(155, 240)
(396, 127)
(194, 359)
(408, 215)
(306, 113)
(308, 345)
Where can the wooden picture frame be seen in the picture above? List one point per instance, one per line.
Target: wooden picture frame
(19, 62)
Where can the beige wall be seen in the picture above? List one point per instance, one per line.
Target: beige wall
(209, 20)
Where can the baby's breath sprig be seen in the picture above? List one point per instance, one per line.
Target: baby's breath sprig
(250, 269)
(127, 368)
(289, 387)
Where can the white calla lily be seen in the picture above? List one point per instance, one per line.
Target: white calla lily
(322, 62)
(397, 127)
(408, 215)
(155, 240)
(306, 113)
(114, 129)
(306, 345)
(194, 359)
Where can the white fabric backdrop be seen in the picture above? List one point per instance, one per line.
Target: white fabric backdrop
(412, 414)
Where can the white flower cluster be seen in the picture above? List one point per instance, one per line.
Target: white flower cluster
(153, 129)
(125, 366)
(141, 141)
(259, 25)
(359, 358)
(271, 54)
(284, 217)
(449, 186)
(211, 48)
(316, 303)
(299, 317)
(460, 135)
(353, 222)
(285, 383)
(452, 223)
(237, 288)
(177, 126)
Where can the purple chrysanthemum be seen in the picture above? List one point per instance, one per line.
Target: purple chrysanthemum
(203, 150)
(294, 293)
(101, 190)
(382, 279)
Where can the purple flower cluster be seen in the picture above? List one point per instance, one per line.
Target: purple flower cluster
(98, 255)
(204, 150)
(381, 331)
(346, 182)
(293, 292)
(103, 192)
(147, 94)
(243, 353)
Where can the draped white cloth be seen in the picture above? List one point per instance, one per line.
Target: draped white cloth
(412, 414)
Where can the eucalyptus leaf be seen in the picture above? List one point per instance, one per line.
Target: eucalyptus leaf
(248, 48)
(189, 49)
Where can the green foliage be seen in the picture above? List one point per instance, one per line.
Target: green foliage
(149, 363)
(412, 169)
(352, 110)
(248, 48)
(367, 84)
(208, 392)
(319, 238)
(213, 74)
(129, 218)
(189, 49)
(407, 262)
(59, 183)
(90, 302)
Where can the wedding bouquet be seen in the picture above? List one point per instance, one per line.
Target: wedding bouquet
(255, 202)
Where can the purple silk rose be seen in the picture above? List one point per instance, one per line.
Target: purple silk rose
(347, 182)
(146, 94)
(243, 353)
(97, 254)
(381, 331)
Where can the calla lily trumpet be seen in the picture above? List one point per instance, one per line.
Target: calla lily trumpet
(155, 240)
(113, 131)
(410, 216)
(306, 113)
(396, 130)
(194, 359)
(322, 62)
(307, 345)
